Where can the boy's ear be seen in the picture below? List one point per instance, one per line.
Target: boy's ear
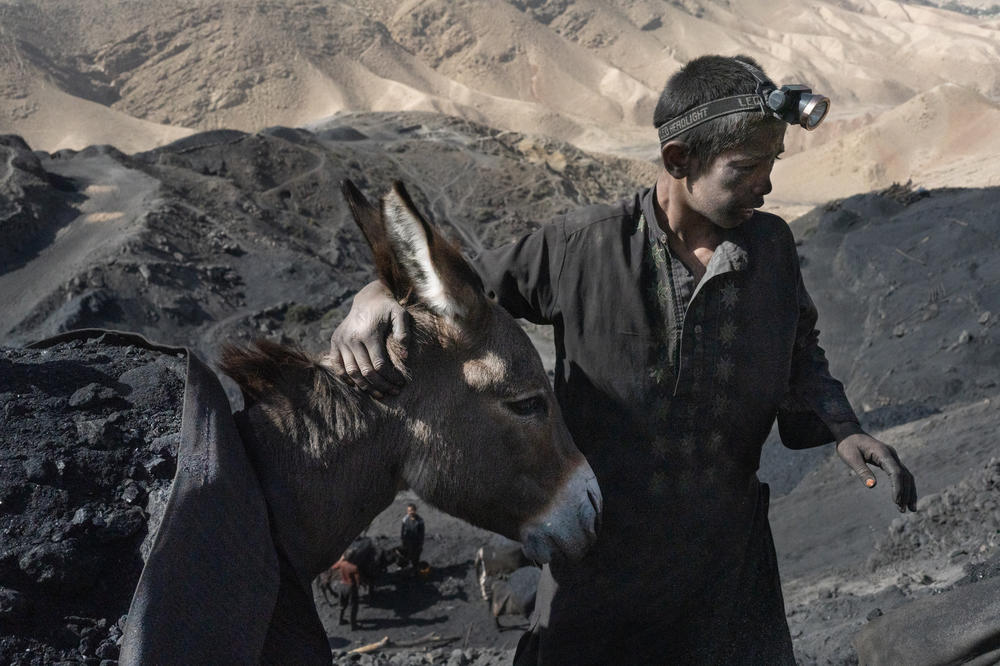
(676, 158)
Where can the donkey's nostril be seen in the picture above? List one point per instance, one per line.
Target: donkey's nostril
(595, 499)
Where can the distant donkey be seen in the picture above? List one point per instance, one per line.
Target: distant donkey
(476, 431)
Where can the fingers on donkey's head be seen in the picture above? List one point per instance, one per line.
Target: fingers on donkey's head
(333, 362)
(377, 378)
(401, 328)
(384, 374)
(355, 377)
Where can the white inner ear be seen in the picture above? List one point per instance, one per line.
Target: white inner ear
(410, 244)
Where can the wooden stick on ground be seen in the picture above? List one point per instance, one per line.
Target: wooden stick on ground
(371, 647)
(432, 638)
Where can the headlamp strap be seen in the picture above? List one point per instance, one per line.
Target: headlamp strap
(720, 107)
(758, 75)
(715, 109)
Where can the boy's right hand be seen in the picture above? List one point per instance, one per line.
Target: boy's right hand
(358, 352)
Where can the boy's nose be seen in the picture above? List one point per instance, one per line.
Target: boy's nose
(763, 186)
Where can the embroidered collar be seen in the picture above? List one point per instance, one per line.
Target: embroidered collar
(732, 253)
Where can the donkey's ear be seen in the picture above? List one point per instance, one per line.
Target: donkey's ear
(440, 276)
(369, 220)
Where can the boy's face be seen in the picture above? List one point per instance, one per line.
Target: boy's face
(730, 187)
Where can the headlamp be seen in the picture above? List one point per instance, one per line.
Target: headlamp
(795, 104)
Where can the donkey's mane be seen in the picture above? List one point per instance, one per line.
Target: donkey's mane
(266, 370)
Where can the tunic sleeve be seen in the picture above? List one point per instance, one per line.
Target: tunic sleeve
(523, 277)
(816, 405)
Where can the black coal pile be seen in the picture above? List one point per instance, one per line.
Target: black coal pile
(227, 235)
(88, 444)
(907, 283)
(951, 543)
(908, 287)
(961, 521)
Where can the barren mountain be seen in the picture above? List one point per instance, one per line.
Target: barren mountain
(944, 137)
(226, 233)
(582, 71)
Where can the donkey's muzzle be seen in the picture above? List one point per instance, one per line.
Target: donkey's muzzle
(568, 526)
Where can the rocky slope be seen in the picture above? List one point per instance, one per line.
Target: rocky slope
(227, 235)
(906, 284)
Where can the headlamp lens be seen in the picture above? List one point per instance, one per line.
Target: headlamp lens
(812, 110)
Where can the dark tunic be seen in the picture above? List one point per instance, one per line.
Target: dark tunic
(670, 388)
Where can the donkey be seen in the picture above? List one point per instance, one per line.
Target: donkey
(476, 432)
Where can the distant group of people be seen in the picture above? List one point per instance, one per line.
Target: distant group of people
(360, 564)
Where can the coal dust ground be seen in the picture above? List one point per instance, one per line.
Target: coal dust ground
(227, 236)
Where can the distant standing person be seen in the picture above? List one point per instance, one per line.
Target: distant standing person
(412, 535)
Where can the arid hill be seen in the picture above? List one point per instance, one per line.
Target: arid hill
(582, 71)
(943, 137)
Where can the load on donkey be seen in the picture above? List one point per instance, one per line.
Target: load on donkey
(264, 502)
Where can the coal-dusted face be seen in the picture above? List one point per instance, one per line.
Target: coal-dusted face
(489, 444)
(731, 186)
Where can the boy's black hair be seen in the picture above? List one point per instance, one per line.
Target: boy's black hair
(700, 81)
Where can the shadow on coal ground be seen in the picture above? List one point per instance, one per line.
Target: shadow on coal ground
(407, 594)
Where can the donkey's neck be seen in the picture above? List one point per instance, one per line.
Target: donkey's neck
(328, 462)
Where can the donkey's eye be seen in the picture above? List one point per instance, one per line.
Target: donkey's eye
(529, 406)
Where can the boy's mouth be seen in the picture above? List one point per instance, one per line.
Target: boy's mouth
(748, 211)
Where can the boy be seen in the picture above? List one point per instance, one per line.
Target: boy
(682, 330)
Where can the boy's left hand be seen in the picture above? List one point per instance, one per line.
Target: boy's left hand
(859, 449)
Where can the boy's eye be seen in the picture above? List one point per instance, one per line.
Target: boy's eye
(752, 165)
